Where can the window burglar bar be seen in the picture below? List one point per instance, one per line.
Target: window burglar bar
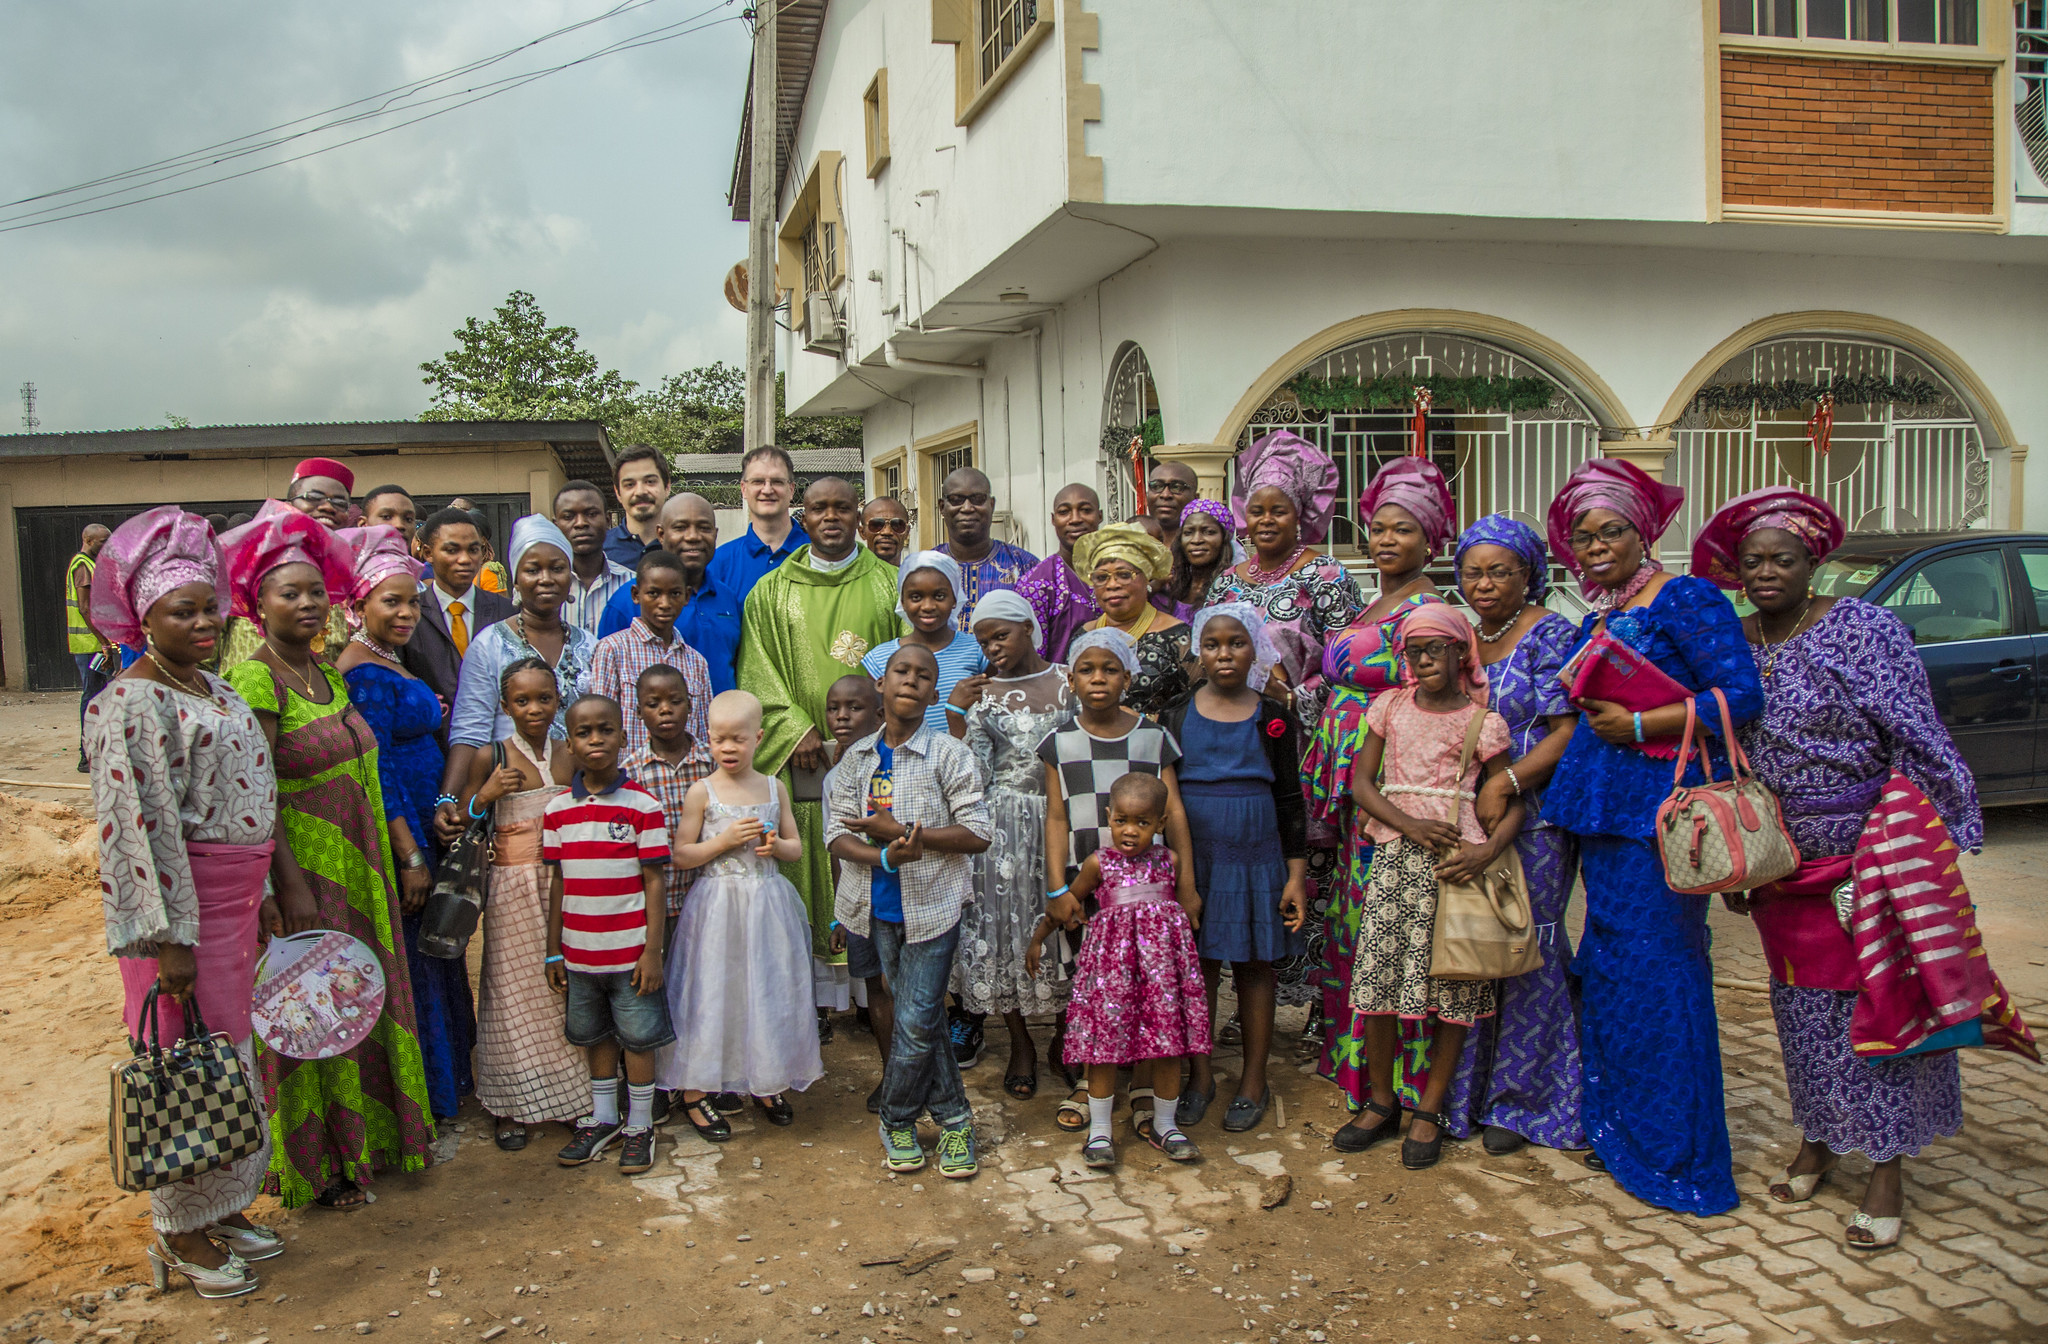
(1003, 25)
(1941, 22)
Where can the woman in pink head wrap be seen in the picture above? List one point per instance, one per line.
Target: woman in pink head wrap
(1419, 813)
(406, 716)
(1849, 731)
(278, 527)
(1649, 1047)
(1282, 502)
(183, 787)
(337, 1121)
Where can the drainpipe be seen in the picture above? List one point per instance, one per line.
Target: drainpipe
(908, 365)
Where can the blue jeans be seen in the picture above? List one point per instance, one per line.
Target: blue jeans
(921, 1074)
(91, 682)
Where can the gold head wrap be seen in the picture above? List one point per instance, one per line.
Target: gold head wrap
(1128, 542)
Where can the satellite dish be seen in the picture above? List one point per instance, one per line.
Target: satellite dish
(736, 286)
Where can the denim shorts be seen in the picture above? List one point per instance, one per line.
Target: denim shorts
(605, 1008)
(862, 961)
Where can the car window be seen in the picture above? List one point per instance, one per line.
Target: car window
(1956, 597)
(1848, 575)
(2035, 562)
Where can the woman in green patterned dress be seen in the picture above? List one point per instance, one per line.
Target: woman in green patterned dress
(334, 1122)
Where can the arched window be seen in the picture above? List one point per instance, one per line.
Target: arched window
(1130, 410)
(1510, 459)
(1905, 452)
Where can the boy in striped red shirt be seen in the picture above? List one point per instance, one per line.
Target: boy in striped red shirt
(607, 842)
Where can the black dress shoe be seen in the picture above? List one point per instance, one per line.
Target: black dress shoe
(713, 1130)
(1500, 1141)
(1356, 1138)
(1593, 1161)
(731, 1103)
(778, 1111)
(1421, 1154)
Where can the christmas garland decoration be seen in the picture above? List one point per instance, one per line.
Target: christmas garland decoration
(1792, 393)
(1116, 439)
(1447, 394)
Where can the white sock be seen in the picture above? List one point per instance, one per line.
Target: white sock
(1099, 1111)
(604, 1100)
(1163, 1120)
(639, 1105)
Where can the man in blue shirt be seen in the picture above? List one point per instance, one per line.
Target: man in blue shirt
(641, 479)
(710, 620)
(768, 484)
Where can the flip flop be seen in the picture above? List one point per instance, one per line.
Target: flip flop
(330, 1198)
(1022, 1086)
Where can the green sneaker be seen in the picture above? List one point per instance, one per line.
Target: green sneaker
(900, 1149)
(956, 1153)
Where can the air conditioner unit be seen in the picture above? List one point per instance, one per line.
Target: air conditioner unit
(821, 326)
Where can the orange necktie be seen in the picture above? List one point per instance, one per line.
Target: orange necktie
(458, 629)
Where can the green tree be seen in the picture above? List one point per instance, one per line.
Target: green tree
(517, 367)
(703, 410)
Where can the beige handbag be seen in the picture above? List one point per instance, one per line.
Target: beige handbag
(1725, 835)
(1484, 928)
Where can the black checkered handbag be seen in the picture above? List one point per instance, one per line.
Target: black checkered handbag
(177, 1112)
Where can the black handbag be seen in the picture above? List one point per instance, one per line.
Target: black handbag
(178, 1112)
(461, 886)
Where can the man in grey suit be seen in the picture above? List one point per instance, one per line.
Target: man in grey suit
(452, 608)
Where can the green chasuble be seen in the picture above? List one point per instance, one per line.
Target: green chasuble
(803, 630)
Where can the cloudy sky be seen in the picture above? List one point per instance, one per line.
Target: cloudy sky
(312, 291)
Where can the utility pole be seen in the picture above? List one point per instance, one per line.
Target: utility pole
(765, 184)
(29, 423)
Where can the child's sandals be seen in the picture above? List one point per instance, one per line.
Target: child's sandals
(1072, 1115)
(1099, 1153)
(1176, 1145)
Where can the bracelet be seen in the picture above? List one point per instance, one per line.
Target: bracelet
(552, 960)
(475, 815)
(887, 867)
(1516, 781)
(441, 798)
(952, 708)
(1639, 725)
(1055, 895)
(414, 860)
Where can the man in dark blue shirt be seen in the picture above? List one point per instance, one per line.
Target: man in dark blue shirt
(640, 478)
(710, 620)
(768, 484)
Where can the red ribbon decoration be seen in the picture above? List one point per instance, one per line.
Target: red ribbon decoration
(1821, 427)
(1138, 468)
(1422, 404)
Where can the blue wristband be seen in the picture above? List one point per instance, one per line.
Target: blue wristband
(952, 708)
(886, 867)
(1639, 725)
(475, 815)
(445, 798)
(552, 960)
(1055, 895)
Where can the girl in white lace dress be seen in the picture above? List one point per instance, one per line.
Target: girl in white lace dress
(1003, 715)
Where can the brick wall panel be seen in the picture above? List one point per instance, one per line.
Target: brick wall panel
(1803, 131)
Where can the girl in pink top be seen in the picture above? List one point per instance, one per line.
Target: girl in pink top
(1419, 815)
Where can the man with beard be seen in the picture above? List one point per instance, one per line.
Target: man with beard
(641, 479)
(710, 623)
(1167, 491)
(595, 576)
(885, 527)
(807, 623)
(1061, 599)
(967, 504)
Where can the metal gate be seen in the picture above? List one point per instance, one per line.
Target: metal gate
(1495, 462)
(1129, 401)
(1890, 468)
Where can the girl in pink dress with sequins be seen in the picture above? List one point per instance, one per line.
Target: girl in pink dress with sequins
(1138, 991)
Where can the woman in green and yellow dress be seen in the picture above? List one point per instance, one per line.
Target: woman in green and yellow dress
(334, 1122)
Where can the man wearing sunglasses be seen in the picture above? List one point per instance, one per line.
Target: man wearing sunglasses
(967, 504)
(885, 527)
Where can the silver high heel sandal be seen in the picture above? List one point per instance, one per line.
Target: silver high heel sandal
(252, 1243)
(231, 1280)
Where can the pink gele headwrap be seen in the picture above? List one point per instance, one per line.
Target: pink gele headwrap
(1297, 469)
(1417, 485)
(150, 555)
(1806, 517)
(1445, 621)
(378, 552)
(281, 535)
(1610, 483)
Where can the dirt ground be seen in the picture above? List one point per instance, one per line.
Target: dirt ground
(798, 1233)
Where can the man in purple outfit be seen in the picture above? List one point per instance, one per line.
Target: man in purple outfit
(1062, 600)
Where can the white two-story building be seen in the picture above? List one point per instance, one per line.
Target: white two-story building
(1022, 233)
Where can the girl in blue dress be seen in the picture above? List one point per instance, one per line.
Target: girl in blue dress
(1649, 1041)
(406, 717)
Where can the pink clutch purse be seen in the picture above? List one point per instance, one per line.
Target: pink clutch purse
(1604, 668)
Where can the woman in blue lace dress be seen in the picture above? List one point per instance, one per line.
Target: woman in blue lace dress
(406, 717)
(1518, 1076)
(1649, 1041)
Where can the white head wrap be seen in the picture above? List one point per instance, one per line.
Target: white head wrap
(1007, 604)
(534, 530)
(1108, 637)
(1264, 653)
(937, 561)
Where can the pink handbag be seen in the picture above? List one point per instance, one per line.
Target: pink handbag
(1721, 836)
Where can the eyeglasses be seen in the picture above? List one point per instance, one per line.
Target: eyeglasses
(1613, 532)
(1169, 485)
(887, 525)
(765, 482)
(1115, 574)
(963, 501)
(1434, 650)
(1498, 573)
(313, 499)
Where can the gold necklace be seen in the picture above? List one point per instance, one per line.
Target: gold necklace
(1136, 629)
(1771, 650)
(200, 690)
(285, 664)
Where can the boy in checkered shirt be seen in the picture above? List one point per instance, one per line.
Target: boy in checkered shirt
(606, 842)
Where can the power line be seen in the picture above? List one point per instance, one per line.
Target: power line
(182, 165)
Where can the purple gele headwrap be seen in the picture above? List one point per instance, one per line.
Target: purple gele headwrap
(1806, 517)
(1297, 469)
(150, 555)
(379, 552)
(1610, 483)
(1418, 486)
(1511, 534)
(1216, 509)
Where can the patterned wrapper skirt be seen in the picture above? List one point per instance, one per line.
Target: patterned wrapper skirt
(1887, 1109)
(1390, 971)
(1138, 990)
(526, 1070)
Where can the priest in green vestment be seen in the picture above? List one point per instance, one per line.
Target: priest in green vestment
(807, 624)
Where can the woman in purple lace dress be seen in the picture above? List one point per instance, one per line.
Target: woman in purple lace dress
(1518, 1076)
(1846, 703)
